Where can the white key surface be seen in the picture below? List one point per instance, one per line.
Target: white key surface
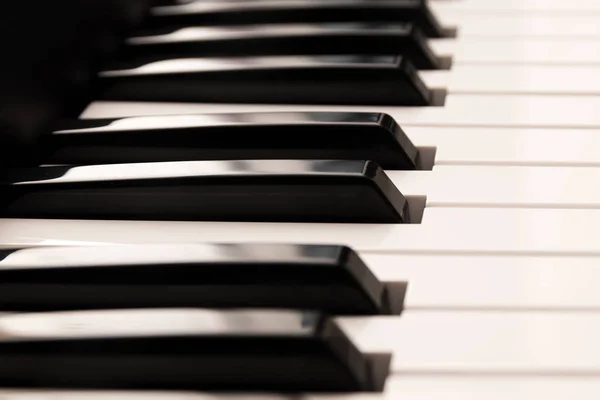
(519, 50)
(482, 387)
(468, 282)
(493, 186)
(437, 280)
(575, 6)
(411, 386)
(516, 79)
(517, 111)
(508, 146)
(482, 342)
(473, 231)
(455, 145)
(543, 25)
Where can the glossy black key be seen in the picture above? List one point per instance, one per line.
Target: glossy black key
(298, 11)
(235, 190)
(331, 279)
(404, 40)
(300, 135)
(196, 349)
(340, 80)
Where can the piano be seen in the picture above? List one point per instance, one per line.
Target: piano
(300, 199)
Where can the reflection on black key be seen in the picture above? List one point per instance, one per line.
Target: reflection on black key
(300, 135)
(180, 349)
(293, 39)
(277, 11)
(236, 190)
(332, 279)
(341, 80)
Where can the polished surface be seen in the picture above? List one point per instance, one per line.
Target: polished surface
(235, 190)
(71, 325)
(368, 136)
(400, 39)
(326, 278)
(478, 110)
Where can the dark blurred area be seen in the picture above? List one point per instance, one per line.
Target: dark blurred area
(50, 50)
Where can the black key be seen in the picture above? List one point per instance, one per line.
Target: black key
(300, 135)
(341, 80)
(299, 11)
(190, 349)
(236, 190)
(292, 39)
(331, 279)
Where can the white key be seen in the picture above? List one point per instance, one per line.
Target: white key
(444, 186)
(455, 282)
(474, 387)
(548, 26)
(486, 186)
(437, 278)
(516, 79)
(460, 110)
(502, 146)
(519, 50)
(455, 146)
(400, 386)
(469, 231)
(575, 6)
(482, 342)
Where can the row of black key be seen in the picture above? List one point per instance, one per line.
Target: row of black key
(199, 317)
(290, 167)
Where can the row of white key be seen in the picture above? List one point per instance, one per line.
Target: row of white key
(543, 31)
(519, 50)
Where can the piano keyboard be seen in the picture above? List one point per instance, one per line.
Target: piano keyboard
(437, 240)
